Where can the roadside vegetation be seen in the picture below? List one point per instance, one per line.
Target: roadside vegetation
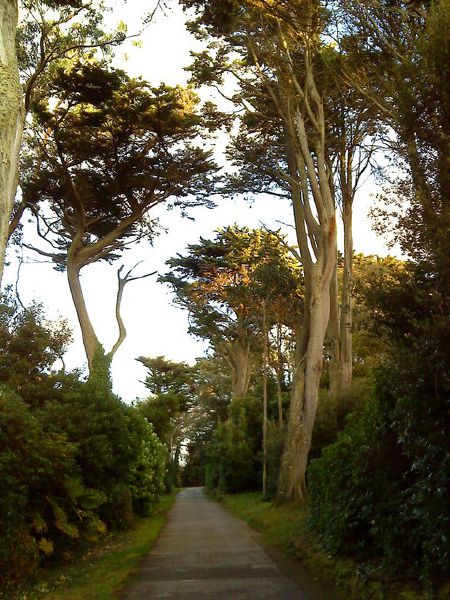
(326, 383)
(102, 572)
(287, 528)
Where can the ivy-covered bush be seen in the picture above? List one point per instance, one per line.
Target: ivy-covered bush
(147, 475)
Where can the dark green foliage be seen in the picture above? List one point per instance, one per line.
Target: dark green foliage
(168, 409)
(333, 411)
(73, 457)
(110, 439)
(29, 346)
(111, 150)
(382, 490)
(223, 283)
(275, 444)
(213, 396)
(193, 473)
(100, 371)
(233, 456)
(45, 508)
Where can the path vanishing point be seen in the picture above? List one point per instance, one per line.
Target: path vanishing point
(204, 553)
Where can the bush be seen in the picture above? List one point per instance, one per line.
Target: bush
(333, 411)
(113, 446)
(44, 508)
(74, 458)
(146, 477)
(380, 492)
(233, 463)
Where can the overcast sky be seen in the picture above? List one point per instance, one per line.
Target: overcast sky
(156, 327)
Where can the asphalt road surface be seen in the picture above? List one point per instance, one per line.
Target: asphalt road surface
(204, 553)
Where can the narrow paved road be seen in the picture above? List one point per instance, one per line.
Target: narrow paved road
(204, 553)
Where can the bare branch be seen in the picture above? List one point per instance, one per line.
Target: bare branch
(122, 282)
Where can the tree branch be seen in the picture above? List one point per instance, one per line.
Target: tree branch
(122, 282)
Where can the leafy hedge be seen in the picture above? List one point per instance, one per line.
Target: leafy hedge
(381, 491)
(71, 465)
(233, 455)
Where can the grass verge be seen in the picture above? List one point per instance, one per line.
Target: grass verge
(101, 573)
(285, 528)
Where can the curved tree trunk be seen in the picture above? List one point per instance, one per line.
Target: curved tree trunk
(90, 340)
(11, 119)
(92, 345)
(305, 392)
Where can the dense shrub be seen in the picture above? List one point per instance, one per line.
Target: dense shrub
(380, 492)
(333, 411)
(74, 458)
(146, 477)
(233, 456)
(274, 450)
(113, 445)
(45, 508)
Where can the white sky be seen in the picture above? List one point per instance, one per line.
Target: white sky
(154, 325)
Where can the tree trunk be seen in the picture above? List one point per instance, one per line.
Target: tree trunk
(11, 119)
(279, 371)
(90, 340)
(334, 335)
(240, 367)
(265, 399)
(320, 236)
(346, 321)
(305, 392)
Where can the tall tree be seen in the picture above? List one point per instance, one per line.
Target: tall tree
(410, 92)
(283, 45)
(11, 118)
(223, 283)
(50, 31)
(171, 407)
(110, 151)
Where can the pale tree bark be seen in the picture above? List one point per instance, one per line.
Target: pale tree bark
(238, 358)
(310, 179)
(355, 148)
(91, 342)
(122, 282)
(341, 313)
(315, 220)
(237, 354)
(11, 119)
(334, 335)
(90, 339)
(305, 390)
